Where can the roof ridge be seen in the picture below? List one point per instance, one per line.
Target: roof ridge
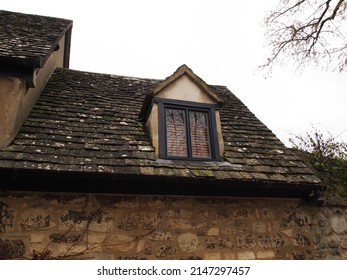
(110, 75)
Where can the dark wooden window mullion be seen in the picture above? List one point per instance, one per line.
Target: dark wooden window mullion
(189, 142)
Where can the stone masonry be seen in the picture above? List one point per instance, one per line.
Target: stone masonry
(81, 226)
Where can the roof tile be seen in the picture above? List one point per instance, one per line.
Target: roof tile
(89, 122)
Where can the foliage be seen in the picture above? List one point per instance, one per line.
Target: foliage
(309, 32)
(328, 157)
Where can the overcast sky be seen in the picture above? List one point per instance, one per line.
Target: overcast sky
(222, 41)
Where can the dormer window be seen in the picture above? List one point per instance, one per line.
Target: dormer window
(182, 115)
(187, 130)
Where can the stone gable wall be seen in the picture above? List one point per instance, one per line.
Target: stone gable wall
(80, 226)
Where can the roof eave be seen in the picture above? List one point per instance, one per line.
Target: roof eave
(96, 182)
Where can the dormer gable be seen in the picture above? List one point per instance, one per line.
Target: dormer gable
(182, 114)
(185, 85)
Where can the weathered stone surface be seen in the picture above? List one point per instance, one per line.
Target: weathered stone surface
(74, 220)
(246, 241)
(36, 219)
(302, 239)
(11, 249)
(103, 223)
(64, 238)
(165, 250)
(339, 224)
(293, 218)
(139, 221)
(271, 241)
(65, 200)
(241, 213)
(6, 217)
(189, 242)
(218, 243)
(154, 229)
(161, 236)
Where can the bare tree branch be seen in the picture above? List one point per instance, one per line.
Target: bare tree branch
(308, 31)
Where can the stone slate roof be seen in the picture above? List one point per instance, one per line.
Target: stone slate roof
(89, 122)
(29, 39)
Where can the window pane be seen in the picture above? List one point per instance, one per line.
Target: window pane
(176, 143)
(199, 134)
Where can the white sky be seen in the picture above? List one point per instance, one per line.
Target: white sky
(222, 41)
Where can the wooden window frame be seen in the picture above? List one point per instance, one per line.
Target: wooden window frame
(187, 106)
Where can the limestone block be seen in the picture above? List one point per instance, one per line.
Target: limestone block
(140, 245)
(246, 241)
(302, 239)
(214, 242)
(245, 256)
(36, 219)
(213, 231)
(268, 213)
(212, 256)
(105, 224)
(65, 237)
(271, 241)
(74, 220)
(287, 232)
(230, 256)
(37, 237)
(265, 255)
(95, 238)
(139, 221)
(338, 223)
(295, 219)
(188, 242)
(165, 250)
(259, 226)
(228, 230)
(123, 243)
(241, 213)
(161, 236)
(179, 224)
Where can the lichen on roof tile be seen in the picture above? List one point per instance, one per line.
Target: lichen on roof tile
(29, 39)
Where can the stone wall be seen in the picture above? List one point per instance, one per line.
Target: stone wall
(79, 226)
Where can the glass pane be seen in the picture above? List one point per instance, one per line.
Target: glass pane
(199, 134)
(176, 143)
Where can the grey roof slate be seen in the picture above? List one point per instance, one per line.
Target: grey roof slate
(28, 40)
(90, 122)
